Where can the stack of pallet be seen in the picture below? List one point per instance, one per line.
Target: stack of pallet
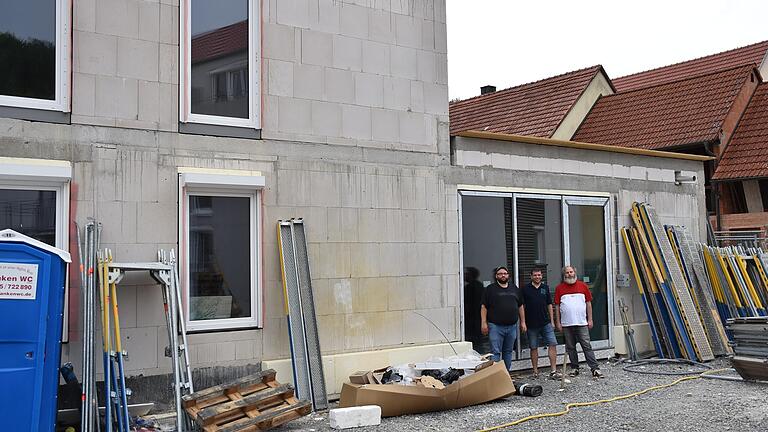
(253, 403)
(750, 344)
(670, 275)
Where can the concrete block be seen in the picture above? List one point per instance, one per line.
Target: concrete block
(297, 186)
(387, 195)
(118, 17)
(141, 345)
(427, 66)
(436, 98)
(375, 57)
(412, 128)
(169, 107)
(149, 101)
(428, 35)
(84, 15)
(393, 262)
(225, 351)
(308, 81)
(116, 97)
(342, 224)
(358, 332)
(408, 31)
(342, 295)
(356, 122)
(333, 260)
(440, 12)
(168, 63)
(149, 21)
(364, 260)
(94, 53)
(380, 27)
(279, 42)
(385, 126)
(441, 38)
(354, 21)
(413, 192)
(372, 294)
(316, 48)
(280, 78)
(137, 59)
(324, 190)
(157, 223)
(501, 161)
(387, 328)
(404, 63)
(169, 24)
(293, 13)
(295, 115)
(330, 328)
(397, 94)
(276, 332)
(347, 53)
(442, 69)
(83, 94)
(328, 16)
(326, 119)
(417, 97)
(339, 86)
(428, 226)
(430, 289)
(245, 350)
(369, 90)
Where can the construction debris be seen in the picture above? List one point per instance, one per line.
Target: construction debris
(253, 403)
(438, 388)
(750, 343)
(345, 418)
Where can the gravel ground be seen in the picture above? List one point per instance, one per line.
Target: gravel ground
(694, 405)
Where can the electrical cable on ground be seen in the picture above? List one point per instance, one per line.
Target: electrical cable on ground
(597, 402)
(632, 366)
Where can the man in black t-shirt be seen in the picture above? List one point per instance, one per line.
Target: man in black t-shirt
(537, 301)
(501, 305)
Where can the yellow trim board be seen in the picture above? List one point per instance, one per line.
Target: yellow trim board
(581, 145)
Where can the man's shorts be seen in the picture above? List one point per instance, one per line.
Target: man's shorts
(546, 334)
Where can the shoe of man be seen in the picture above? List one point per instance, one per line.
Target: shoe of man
(597, 374)
(555, 375)
(574, 372)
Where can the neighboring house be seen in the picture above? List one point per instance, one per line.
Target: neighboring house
(529, 198)
(692, 107)
(551, 108)
(176, 127)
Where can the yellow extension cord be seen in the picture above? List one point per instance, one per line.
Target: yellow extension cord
(597, 402)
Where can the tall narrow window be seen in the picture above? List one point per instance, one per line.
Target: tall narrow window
(33, 54)
(220, 72)
(220, 232)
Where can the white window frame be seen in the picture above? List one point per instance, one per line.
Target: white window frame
(50, 175)
(62, 76)
(254, 71)
(227, 184)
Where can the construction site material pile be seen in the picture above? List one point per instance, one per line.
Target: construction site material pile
(750, 344)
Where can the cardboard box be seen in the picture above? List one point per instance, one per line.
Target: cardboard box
(358, 377)
(488, 384)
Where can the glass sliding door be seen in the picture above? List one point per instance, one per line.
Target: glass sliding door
(588, 249)
(539, 241)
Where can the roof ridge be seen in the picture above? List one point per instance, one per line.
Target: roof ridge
(692, 60)
(597, 68)
(687, 78)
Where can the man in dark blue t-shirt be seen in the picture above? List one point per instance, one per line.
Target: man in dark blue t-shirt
(500, 306)
(537, 302)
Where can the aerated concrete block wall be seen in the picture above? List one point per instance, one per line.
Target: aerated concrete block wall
(354, 140)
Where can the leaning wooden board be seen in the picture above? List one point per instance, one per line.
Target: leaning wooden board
(253, 403)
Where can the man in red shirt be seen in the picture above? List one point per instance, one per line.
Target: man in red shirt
(573, 316)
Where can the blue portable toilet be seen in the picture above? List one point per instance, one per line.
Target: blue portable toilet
(32, 281)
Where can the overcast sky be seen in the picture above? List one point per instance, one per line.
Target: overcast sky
(510, 42)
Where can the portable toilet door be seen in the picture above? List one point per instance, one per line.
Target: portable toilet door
(32, 281)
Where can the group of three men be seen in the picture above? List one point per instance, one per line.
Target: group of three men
(504, 306)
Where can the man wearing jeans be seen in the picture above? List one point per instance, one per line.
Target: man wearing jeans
(573, 316)
(500, 308)
(539, 318)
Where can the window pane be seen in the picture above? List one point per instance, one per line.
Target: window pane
(219, 57)
(28, 48)
(219, 257)
(30, 212)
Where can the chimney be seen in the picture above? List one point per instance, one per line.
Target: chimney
(487, 89)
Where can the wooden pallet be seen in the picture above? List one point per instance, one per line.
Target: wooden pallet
(253, 403)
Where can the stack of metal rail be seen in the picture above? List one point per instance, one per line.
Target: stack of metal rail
(738, 280)
(682, 318)
(750, 344)
(88, 246)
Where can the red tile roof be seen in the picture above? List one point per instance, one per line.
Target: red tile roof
(746, 156)
(665, 116)
(534, 109)
(748, 55)
(220, 42)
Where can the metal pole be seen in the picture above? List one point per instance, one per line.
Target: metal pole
(182, 322)
(105, 338)
(123, 394)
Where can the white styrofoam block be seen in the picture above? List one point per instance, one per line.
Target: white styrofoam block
(345, 418)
